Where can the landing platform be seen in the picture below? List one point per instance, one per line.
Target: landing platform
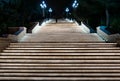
(62, 31)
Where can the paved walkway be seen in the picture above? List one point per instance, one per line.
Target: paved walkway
(63, 31)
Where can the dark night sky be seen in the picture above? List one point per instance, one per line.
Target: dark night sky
(58, 5)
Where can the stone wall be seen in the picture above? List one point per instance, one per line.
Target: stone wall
(4, 42)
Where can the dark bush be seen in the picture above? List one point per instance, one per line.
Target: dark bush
(115, 25)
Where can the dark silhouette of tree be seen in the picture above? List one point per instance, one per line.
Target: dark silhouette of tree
(99, 12)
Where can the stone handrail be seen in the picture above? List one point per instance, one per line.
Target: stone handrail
(87, 28)
(17, 36)
(31, 30)
(35, 27)
(107, 36)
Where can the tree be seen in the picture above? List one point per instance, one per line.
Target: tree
(88, 10)
(18, 12)
(98, 11)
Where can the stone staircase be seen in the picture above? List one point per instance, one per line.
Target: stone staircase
(60, 62)
(60, 52)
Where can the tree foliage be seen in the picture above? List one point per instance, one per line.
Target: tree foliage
(18, 12)
(98, 12)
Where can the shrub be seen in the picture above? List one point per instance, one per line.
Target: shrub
(115, 25)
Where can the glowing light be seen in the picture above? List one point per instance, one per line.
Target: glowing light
(43, 5)
(67, 10)
(43, 2)
(50, 10)
(75, 4)
(75, 1)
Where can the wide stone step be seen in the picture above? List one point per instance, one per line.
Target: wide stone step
(61, 51)
(73, 57)
(38, 61)
(61, 75)
(57, 69)
(60, 54)
(61, 70)
(57, 65)
(63, 78)
(61, 48)
(63, 45)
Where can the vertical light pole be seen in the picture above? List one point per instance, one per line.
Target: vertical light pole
(43, 6)
(67, 11)
(50, 11)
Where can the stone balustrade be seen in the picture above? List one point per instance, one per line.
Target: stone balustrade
(85, 27)
(106, 35)
(17, 36)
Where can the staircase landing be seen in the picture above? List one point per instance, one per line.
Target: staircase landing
(63, 31)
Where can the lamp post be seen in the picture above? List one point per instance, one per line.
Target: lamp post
(74, 6)
(43, 6)
(67, 11)
(50, 11)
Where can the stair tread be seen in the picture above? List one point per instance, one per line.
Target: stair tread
(62, 54)
(62, 74)
(31, 61)
(60, 51)
(63, 78)
(59, 48)
(77, 57)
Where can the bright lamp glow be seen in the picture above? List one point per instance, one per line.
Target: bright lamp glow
(43, 5)
(75, 4)
(50, 10)
(43, 2)
(67, 10)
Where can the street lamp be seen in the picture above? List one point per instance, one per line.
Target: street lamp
(67, 11)
(75, 4)
(50, 11)
(43, 6)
